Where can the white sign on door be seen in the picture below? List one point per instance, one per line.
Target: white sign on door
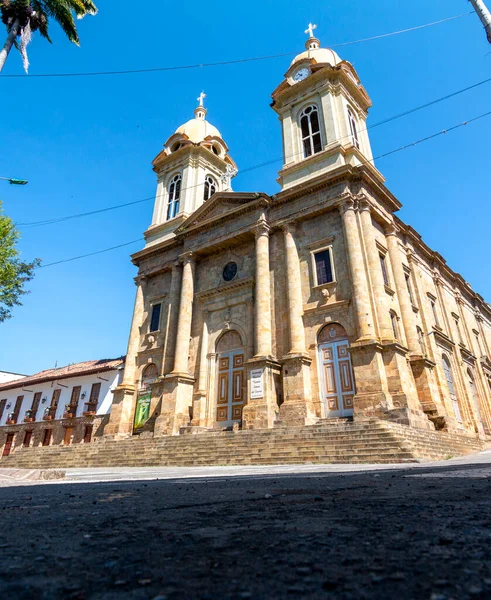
(257, 389)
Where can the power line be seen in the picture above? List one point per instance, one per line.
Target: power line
(401, 149)
(53, 221)
(230, 62)
(66, 260)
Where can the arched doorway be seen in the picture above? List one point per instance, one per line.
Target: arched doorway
(230, 379)
(336, 372)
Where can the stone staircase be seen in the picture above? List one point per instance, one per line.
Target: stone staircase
(367, 441)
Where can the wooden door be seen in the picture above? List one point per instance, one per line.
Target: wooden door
(338, 386)
(8, 444)
(88, 434)
(230, 387)
(27, 439)
(47, 437)
(67, 440)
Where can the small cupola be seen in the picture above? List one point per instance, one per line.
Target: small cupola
(194, 164)
(323, 110)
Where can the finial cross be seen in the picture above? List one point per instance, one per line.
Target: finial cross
(310, 29)
(201, 98)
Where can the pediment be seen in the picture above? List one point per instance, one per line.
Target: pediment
(220, 205)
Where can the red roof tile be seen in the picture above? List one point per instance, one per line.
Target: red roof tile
(75, 370)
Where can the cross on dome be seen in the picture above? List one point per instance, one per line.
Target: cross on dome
(200, 111)
(201, 98)
(310, 29)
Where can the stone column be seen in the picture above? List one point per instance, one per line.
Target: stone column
(360, 295)
(199, 399)
(172, 317)
(181, 365)
(260, 413)
(294, 286)
(378, 285)
(407, 313)
(263, 292)
(130, 370)
(123, 408)
(177, 397)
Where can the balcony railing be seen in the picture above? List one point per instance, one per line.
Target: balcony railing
(29, 417)
(70, 411)
(90, 409)
(12, 419)
(49, 413)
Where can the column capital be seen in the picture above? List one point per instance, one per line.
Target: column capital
(347, 205)
(459, 299)
(411, 257)
(437, 279)
(288, 227)
(176, 265)
(261, 229)
(390, 229)
(188, 257)
(140, 280)
(479, 317)
(364, 205)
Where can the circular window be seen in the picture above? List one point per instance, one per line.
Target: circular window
(230, 271)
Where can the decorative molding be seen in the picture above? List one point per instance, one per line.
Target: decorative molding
(234, 285)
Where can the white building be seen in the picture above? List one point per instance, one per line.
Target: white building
(65, 405)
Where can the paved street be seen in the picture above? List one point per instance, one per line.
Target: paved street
(413, 531)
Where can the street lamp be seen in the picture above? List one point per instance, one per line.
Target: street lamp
(14, 181)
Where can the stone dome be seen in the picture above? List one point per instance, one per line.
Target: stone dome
(320, 55)
(198, 129)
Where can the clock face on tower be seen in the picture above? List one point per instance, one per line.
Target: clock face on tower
(301, 74)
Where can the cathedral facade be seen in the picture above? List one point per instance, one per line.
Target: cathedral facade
(255, 311)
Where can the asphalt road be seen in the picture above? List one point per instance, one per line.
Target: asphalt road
(415, 532)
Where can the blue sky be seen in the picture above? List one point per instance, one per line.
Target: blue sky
(87, 143)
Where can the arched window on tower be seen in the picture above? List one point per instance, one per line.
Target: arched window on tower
(311, 133)
(174, 196)
(353, 128)
(447, 369)
(210, 188)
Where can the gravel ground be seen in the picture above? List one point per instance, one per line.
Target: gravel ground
(422, 533)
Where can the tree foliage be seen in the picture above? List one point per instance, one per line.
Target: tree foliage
(14, 273)
(38, 13)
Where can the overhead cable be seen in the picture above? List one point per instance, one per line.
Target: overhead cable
(55, 220)
(229, 62)
(400, 149)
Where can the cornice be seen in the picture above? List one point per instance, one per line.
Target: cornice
(155, 250)
(369, 176)
(446, 275)
(217, 291)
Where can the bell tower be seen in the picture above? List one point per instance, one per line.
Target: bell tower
(194, 164)
(323, 110)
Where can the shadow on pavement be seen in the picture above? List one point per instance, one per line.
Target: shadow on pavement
(401, 533)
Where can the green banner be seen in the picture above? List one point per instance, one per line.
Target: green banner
(142, 412)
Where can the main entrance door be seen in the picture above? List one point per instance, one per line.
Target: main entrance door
(230, 387)
(338, 387)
